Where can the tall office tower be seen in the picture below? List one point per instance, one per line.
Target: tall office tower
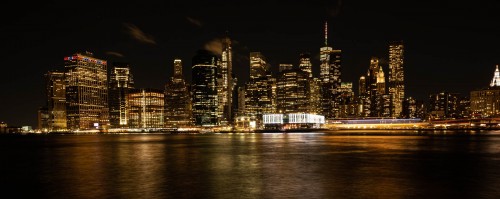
(372, 89)
(259, 93)
(330, 75)
(86, 92)
(364, 96)
(240, 101)
(204, 89)
(145, 108)
(283, 67)
(178, 109)
(347, 104)
(396, 77)
(315, 96)
(293, 92)
(120, 83)
(43, 119)
(305, 64)
(226, 81)
(362, 86)
(56, 100)
(380, 82)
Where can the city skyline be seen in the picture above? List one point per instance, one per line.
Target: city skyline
(145, 47)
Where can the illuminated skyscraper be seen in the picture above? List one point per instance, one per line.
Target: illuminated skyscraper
(283, 67)
(205, 98)
(305, 64)
(293, 92)
(56, 100)
(226, 81)
(178, 108)
(260, 89)
(372, 89)
(396, 77)
(145, 108)
(380, 82)
(86, 92)
(330, 75)
(120, 82)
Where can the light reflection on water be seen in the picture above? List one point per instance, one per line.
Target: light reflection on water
(270, 165)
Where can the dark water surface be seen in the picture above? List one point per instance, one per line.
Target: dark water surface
(295, 165)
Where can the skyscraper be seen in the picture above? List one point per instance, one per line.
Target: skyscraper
(120, 82)
(178, 108)
(56, 100)
(205, 98)
(145, 108)
(380, 82)
(305, 64)
(396, 77)
(330, 75)
(227, 83)
(293, 92)
(372, 89)
(86, 91)
(259, 93)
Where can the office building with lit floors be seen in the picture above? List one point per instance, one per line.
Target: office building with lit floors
(178, 108)
(86, 92)
(486, 102)
(120, 83)
(145, 108)
(204, 89)
(56, 101)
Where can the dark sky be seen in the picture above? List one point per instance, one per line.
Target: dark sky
(449, 46)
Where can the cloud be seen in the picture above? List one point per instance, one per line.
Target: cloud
(194, 21)
(117, 54)
(214, 46)
(138, 34)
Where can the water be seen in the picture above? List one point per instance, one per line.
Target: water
(316, 165)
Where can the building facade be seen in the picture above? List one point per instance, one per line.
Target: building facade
(260, 91)
(486, 102)
(204, 88)
(145, 108)
(120, 83)
(178, 107)
(396, 77)
(56, 101)
(86, 92)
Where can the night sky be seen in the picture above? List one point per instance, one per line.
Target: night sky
(449, 46)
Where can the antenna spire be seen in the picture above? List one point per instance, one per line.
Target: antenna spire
(326, 33)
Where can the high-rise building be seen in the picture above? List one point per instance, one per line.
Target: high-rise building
(305, 64)
(486, 102)
(240, 101)
(364, 101)
(260, 93)
(410, 108)
(380, 82)
(86, 92)
(145, 108)
(396, 77)
(56, 100)
(293, 92)
(315, 96)
(347, 103)
(43, 118)
(178, 108)
(372, 89)
(204, 89)
(330, 75)
(120, 82)
(226, 85)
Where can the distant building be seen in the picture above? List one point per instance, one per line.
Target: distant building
(178, 107)
(410, 108)
(396, 77)
(486, 102)
(86, 91)
(145, 108)
(443, 105)
(43, 119)
(226, 83)
(305, 64)
(120, 83)
(204, 88)
(330, 76)
(56, 100)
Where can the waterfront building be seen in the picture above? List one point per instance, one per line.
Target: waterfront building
(145, 108)
(486, 102)
(178, 108)
(443, 105)
(260, 92)
(56, 101)
(86, 92)
(204, 89)
(294, 91)
(120, 83)
(396, 77)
